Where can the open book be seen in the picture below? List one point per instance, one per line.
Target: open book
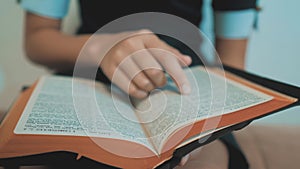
(102, 123)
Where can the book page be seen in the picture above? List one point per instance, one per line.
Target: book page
(206, 100)
(55, 109)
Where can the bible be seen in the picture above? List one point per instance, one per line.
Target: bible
(101, 122)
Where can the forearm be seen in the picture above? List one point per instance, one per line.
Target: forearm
(45, 43)
(54, 49)
(232, 52)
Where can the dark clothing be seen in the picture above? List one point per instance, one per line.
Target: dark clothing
(96, 13)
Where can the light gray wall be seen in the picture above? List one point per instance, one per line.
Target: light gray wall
(15, 70)
(273, 50)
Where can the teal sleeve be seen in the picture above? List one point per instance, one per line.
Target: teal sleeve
(56, 9)
(234, 24)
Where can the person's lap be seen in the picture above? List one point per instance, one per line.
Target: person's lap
(273, 147)
(265, 147)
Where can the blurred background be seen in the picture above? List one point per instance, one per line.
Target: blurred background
(273, 50)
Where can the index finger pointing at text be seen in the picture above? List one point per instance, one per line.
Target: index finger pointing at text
(171, 60)
(173, 68)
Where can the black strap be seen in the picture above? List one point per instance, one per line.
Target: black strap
(237, 160)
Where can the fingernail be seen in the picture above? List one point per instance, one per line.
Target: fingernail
(187, 60)
(185, 88)
(149, 86)
(141, 94)
(187, 56)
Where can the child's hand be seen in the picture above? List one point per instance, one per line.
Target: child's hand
(136, 64)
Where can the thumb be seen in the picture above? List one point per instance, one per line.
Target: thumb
(184, 160)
